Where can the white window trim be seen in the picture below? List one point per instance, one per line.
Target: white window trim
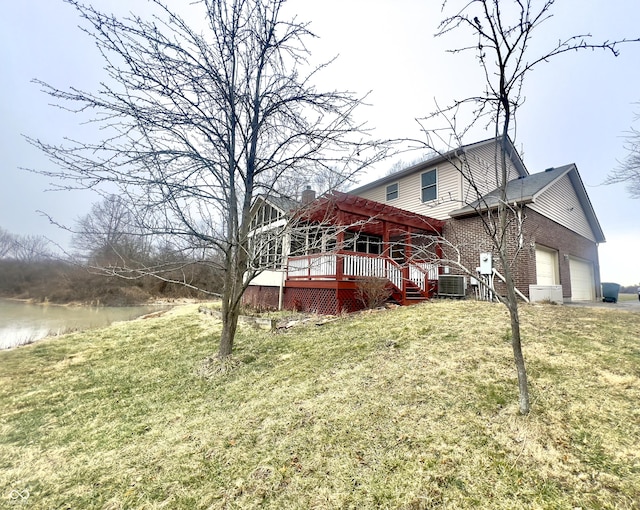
(435, 185)
(397, 192)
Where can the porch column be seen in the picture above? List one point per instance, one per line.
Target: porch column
(386, 247)
(408, 251)
(339, 259)
(340, 240)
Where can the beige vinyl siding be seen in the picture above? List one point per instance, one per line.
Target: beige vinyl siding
(484, 173)
(410, 192)
(450, 185)
(560, 204)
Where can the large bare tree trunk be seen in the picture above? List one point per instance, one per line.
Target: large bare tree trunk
(230, 316)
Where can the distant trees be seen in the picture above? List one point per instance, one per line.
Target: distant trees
(110, 242)
(23, 248)
(25, 262)
(108, 235)
(28, 269)
(199, 120)
(6, 243)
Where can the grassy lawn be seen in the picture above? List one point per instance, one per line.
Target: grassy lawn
(408, 408)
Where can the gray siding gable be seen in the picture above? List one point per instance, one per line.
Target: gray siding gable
(557, 193)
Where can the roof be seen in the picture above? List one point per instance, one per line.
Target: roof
(444, 157)
(522, 190)
(526, 189)
(354, 208)
(284, 204)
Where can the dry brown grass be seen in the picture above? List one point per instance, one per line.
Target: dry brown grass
(407, 408)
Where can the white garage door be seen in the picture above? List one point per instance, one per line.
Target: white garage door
(546, 267)
(582, 282)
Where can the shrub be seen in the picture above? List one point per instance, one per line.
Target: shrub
(372, 291)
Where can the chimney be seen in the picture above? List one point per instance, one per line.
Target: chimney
(308, 196)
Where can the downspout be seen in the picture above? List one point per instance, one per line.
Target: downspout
(281, 291)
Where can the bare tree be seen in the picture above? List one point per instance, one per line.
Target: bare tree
(108, 234)
(503, 32)
(7, 241)
(30, 248)
(629, 170)
(202, 119)
(23, 248)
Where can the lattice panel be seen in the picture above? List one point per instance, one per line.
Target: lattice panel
(322, 301)
(348, 302)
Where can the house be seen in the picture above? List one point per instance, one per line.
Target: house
(388, 228)
(331, 245)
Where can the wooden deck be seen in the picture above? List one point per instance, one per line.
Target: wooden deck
(410, 282)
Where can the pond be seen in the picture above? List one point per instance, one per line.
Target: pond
(22, 322)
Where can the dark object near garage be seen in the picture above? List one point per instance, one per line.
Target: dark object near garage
(610, 292)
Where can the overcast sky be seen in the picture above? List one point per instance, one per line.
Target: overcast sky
(578, 107)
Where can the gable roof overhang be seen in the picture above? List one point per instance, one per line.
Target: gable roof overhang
(345, 209)
(450, 156)
(283, 204)
(526, 190)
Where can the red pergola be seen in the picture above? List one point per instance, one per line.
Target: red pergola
(369, 217)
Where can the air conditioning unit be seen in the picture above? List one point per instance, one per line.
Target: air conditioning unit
(452, 285)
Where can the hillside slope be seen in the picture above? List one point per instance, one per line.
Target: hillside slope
(411, 408)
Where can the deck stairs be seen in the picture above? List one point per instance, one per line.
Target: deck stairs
(412, 294)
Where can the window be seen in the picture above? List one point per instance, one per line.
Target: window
(268, 251)
(265, 215)
(429, 185)
(362, 243)
(392, 191)
(309, 239)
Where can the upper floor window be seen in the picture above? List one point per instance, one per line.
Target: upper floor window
(429, 185)
(392, 191)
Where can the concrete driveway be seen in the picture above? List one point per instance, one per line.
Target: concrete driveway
(631, 305)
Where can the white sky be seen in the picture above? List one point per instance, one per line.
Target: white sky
(578, 107)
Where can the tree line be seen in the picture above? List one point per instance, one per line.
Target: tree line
(105, 238)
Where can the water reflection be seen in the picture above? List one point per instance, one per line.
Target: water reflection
(22, 322)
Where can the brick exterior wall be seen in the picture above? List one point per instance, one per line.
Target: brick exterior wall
(541, 230)
(470, 237)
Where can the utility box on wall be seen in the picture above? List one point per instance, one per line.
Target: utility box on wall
(486, 263)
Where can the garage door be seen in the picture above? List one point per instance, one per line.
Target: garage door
(546, 267)
(582, 282)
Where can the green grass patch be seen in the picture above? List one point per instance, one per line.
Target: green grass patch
(409, 408)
